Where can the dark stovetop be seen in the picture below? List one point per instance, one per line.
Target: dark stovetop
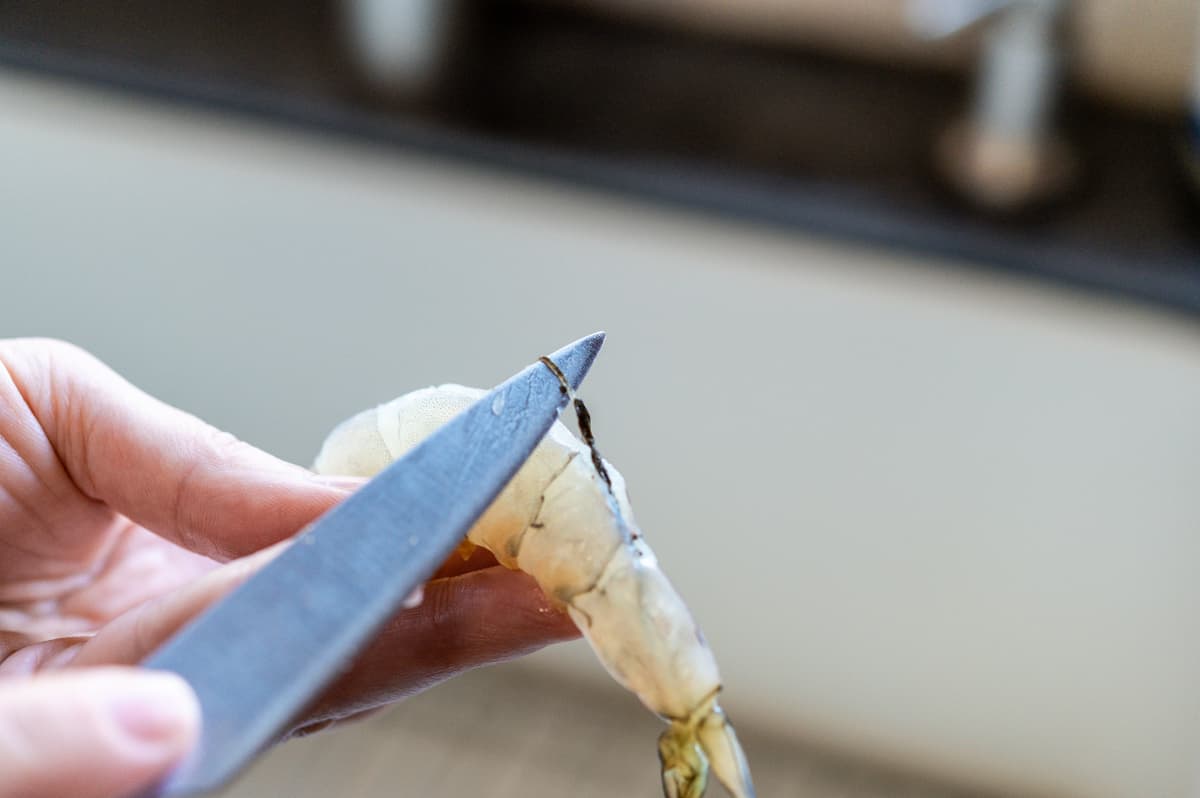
(786, 138)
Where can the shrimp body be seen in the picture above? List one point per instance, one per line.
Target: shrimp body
(559, 521)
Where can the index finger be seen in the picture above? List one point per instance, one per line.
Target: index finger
(157, 465)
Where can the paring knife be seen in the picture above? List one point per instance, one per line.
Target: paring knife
(260, 656)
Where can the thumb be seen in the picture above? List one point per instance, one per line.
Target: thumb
(92, 733)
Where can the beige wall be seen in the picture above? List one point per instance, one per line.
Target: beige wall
(939, 517)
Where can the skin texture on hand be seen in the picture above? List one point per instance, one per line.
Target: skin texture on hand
(121, 518)
(91, 733)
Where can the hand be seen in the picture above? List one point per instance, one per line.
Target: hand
(120, 519)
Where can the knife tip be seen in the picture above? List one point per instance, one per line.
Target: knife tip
(575, 360)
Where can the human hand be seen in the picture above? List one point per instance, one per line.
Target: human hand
(120, 519)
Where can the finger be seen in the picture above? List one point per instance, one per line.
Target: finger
(132, 636)
(155, 464)
(479, 618)
(307, 728)
(100, 733)
(463, 622)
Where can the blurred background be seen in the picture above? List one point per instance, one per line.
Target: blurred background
(903, 363)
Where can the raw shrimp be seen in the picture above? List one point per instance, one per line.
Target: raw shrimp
(565, 520)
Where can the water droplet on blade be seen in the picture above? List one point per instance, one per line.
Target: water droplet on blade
(498, 404)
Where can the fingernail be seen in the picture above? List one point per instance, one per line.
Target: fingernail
(155, 708)
(347, 484)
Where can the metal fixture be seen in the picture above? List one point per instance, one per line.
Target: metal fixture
(401, 48)
(1005, 154)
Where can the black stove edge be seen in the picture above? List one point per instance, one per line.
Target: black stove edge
(1169, 280)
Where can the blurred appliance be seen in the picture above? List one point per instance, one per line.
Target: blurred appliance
(1006, 154)
(1135, 53)
(402, 47)
(809, 114)
(1190, 154)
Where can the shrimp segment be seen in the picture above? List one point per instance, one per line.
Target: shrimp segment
(559, 521)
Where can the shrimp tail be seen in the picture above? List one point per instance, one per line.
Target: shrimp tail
(693, 746)
(684, 763)
(725, 755)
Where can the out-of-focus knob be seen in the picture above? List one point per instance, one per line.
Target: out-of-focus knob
(401, 47)
(1005, 155)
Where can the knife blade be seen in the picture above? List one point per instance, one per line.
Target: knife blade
(257, 658)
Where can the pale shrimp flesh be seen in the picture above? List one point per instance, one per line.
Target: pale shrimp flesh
(565, 519)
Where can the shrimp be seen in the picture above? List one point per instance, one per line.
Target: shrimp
(565, 519)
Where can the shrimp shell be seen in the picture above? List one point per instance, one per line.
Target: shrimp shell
(574, 532)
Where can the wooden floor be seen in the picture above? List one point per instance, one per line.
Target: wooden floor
(507, 733)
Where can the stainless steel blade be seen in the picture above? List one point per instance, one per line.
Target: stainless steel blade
(260, 656)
